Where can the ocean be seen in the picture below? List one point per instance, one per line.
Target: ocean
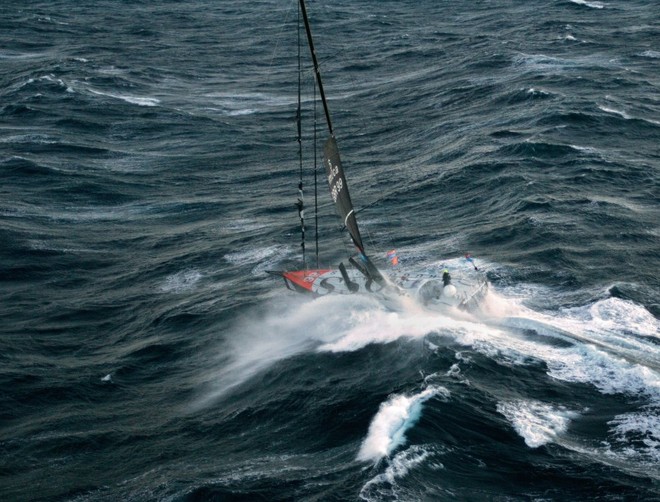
(150, 172)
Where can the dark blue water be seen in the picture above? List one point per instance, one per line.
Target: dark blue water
(149, 175)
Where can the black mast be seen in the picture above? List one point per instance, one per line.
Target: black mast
(317, 72)
(334, 170)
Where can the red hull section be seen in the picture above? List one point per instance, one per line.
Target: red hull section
(303, 281)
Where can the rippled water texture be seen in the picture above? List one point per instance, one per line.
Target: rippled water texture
(149, 177)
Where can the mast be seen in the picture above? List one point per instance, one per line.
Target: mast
(333, 167)
(317, 72)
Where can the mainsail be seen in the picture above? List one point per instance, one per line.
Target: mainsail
(342, 199)
(339, 191)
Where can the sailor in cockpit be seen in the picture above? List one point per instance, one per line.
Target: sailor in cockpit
(446, 278)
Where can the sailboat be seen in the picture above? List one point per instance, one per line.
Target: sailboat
(436, 289)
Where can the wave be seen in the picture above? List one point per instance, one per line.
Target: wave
(264, 258)
(537, 149)
(527, 95)
(638, 435)
(651, 54)
(536, 422)
(134, 100)
(611, 346)
(23, 167)
(398, 414)
(237, 104)
(169, 216)
(384, 486)
(181, 281)
(50, 80)
(626, 116)
(585, 3)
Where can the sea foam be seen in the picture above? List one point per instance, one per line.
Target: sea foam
(537, 423)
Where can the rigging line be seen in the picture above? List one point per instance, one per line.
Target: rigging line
(372, 241)
(392, 193)
(301, 199)
(277, 41)
(378, 201)
(411, 183)
(316, 191)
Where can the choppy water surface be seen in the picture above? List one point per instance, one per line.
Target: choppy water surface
(149, 170)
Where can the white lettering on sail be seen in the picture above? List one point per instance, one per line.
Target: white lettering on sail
(332, 172)
(334, 182)
(335, 189)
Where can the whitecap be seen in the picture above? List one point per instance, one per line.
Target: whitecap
(135, 100)
(646, 422)
(247, 256)
(592, 5)
(639, 435)
(40, 139)
(615, 112)
(395, 416)
(263, 259)
(244, 103)
(651, 54)
(539, 61)
(624, 114)
(613, 314)
(384, 486)
(627, 116)
(454, 371)
(608, 347)
(181, 281)
(536, 422)
(587, 149)
(537, 92)
(19, 55)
